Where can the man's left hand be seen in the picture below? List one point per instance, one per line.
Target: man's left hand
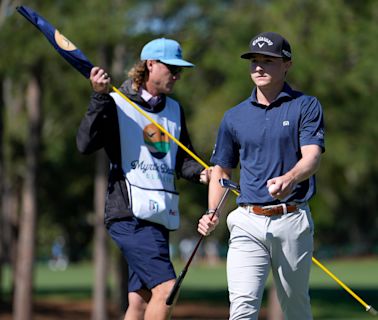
(205, 175)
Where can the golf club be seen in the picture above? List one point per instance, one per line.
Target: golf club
(228, 185)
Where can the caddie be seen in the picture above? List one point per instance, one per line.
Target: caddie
(142, 201)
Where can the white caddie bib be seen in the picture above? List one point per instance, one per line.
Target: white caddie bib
(148, 161)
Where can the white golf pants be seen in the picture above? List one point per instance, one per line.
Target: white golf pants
(258, 244)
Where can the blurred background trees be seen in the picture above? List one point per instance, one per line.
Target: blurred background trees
(334, 47)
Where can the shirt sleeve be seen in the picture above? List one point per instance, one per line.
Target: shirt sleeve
(99, 124)
(312, 124)
(226, 149)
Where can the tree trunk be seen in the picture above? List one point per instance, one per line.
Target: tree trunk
(2, 220)
(100, 249)
(22, 304)
(274, 308)
(122, 277)
(9, 194)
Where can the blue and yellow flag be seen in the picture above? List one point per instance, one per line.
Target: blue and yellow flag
(61, 44)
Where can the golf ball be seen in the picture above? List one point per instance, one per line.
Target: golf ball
(273, 188)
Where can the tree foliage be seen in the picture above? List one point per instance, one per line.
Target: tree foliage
(334, 45)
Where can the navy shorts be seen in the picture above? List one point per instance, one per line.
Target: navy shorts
(145, 245)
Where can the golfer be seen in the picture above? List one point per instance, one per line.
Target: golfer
(142, 202)
(277, 136)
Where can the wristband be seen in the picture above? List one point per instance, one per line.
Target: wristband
(210, 211)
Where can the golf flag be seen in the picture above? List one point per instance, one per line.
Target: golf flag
(61, 44)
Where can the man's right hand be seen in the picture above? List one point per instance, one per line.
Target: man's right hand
(100, 80)
(207, 224)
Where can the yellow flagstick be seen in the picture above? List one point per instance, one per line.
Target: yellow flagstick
(367, 307)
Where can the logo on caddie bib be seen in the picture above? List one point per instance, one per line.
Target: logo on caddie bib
(156, 141)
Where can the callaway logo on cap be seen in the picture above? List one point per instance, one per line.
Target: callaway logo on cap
(269, 44)
(261, 41)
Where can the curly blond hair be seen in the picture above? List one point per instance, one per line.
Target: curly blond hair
(138, 74)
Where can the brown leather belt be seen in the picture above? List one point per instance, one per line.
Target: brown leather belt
(272, 210)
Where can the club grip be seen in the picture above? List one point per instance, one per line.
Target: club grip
(176, 287)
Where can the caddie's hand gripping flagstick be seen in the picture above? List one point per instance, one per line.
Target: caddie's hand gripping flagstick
(228, 185)
(81, 63)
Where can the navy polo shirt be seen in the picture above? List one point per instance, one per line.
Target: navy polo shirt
(266, 140)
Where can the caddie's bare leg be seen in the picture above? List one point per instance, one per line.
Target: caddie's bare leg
(157, 308)
(137, 305)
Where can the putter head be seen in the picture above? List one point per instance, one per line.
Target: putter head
(225, 183)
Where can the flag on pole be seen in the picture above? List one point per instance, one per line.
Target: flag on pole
(61, 44)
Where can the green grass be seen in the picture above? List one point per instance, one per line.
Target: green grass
(75, 282)
(356, 272)
(202, 282)
(329, 299)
